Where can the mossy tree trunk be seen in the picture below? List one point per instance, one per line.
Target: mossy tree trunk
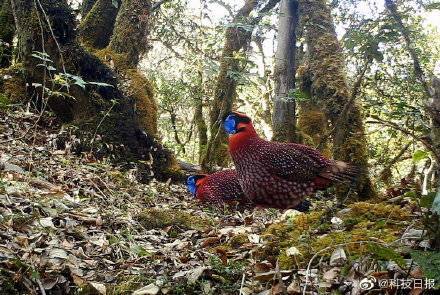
(7, 31)
(237, 38)
(131, 30)
(202, 129)
(284, 106)
(97, 25)
(86, 6)
(120, 127)
(329, 86)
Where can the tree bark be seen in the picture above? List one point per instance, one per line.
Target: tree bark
(97, 25)
(236, 38)
(329, 87)
(284, 106)
(86, 6)
(131, 30)
(119, 128)
(202, 129)
(7, 31)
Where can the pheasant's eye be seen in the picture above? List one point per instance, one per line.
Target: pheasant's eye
(230, 124)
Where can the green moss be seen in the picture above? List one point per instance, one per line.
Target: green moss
(373, 212)
(131, 29)
(160, 218)
(307, 232)
(330, 89)
(4, 101)
(139, 88)
(238, 240)
(13, 85)
(7, 30)
(130, 283)
(96, 28)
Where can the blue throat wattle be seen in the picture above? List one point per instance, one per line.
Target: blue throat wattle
(191, 185)
(230, 124)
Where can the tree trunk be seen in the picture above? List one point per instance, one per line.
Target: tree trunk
(97, 25)
(131, 30)
(202, 129)
(119, 128)
(86, 6)
(7, 30)
(329, 87)
(434, 110)
(236, 38)
(284, 106)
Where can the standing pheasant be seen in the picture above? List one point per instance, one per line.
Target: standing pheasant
(279, 175)
(224, 186)
(221, 186)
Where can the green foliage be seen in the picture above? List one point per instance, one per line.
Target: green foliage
(231, 273)
(386, 253)
(4, 101)
(299, 95)
(430, 264)
(420, 155)
(61, 79)
(427, 201)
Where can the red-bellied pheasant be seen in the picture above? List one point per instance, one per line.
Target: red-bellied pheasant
(279, 175)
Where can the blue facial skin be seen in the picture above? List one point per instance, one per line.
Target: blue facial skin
(191, 185)
(230, 124)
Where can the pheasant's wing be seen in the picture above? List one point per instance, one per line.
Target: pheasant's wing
(294, 162)
(297, 162)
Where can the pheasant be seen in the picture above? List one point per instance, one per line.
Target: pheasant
(279, 175)
(223, 186)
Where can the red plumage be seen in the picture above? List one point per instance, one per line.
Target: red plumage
(280, 175)
(221, 186)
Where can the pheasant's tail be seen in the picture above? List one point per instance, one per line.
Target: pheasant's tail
(340, 171)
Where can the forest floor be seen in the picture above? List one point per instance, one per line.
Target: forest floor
(70, 224)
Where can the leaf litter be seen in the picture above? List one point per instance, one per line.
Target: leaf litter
(69, 224)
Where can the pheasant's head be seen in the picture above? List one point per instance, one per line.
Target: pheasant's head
(240, 130)
(236, 122)
(194, 181)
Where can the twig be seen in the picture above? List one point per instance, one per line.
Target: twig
(395, 159)
(280, 278)
(395, 126)
(100, 123)
(242, 283)
(40, 285)
(420, 75)
(328, 248)
(53, 35)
